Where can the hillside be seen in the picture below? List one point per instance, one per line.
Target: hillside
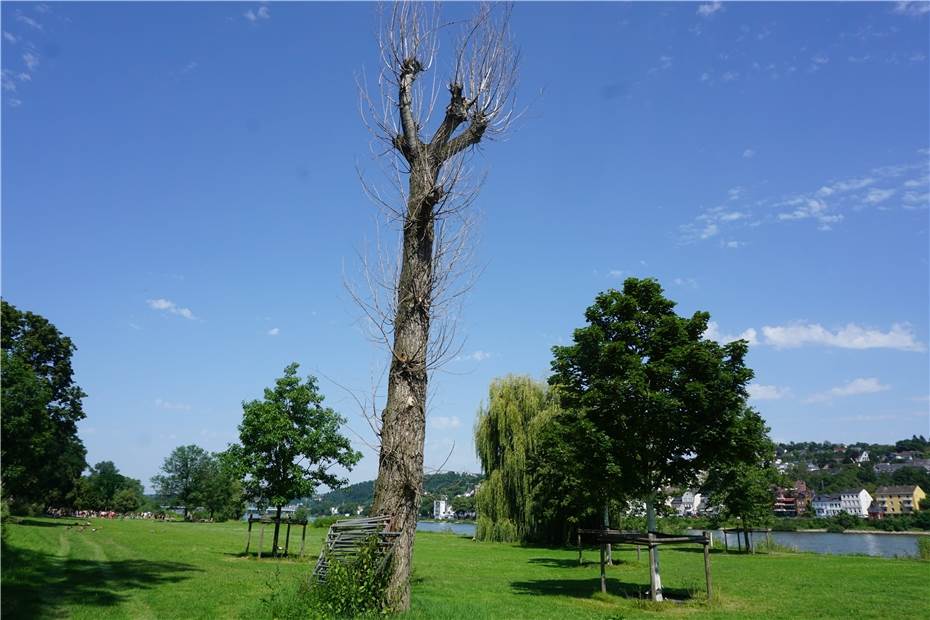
(347, 499)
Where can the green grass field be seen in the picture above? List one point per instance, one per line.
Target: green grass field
(142, 569)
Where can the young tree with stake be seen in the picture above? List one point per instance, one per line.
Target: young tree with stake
(289, 443)
(656, 401)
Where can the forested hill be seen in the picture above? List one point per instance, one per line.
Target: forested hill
(346, 499)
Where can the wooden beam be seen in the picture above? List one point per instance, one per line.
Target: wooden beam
(710, 587)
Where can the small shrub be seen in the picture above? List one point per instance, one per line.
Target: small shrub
(324, 521)
(923, 547)
(835, 528)
(352, 589)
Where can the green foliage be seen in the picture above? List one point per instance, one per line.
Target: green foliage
(127, 500)
(504, 441)
(353, 589)
(654, 402)
(184, 476)
(221, 491)
(741, 479)
(325, 522)
(923, 547)
(40, 407)
(289, 442)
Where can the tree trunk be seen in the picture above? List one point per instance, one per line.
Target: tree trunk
(651, 526)
(610, 550)
(746, 536)
(400, 463)
(277, 527)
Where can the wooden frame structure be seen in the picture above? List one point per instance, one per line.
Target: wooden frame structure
(751, 530)
(287, 536)
(652, 540)
(346, 537)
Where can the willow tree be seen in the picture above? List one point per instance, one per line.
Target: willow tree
(413, 287)
(505, 433)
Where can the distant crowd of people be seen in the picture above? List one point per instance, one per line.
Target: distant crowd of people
(105, 514)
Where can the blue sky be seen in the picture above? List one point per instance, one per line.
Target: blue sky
(180, 197)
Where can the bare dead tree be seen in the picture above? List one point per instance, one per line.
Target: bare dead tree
(412, 290)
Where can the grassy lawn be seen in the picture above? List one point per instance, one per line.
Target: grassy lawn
(142, 569)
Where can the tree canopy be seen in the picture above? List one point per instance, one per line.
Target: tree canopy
(184, 476)
(41, 406)
(655, 401)
(290, 443)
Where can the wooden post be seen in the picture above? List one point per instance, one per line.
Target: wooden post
(768, 539)
(303, 536)
(726, 542)
(248, 540)
(637, 553)
(751, 543)
(739, 543)
(710, 587)
(579, 549)
(261, 539)
(603, 572)
(287, 537)
(653, 589)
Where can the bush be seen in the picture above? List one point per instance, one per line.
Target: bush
(352, 589)
(324, 521)
(923, 547)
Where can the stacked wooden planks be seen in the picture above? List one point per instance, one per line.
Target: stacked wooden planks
(346, 537)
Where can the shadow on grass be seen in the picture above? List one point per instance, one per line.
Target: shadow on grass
(571, 562)
(34, 583)
(293, 556)
(586, 588)
(36, 523)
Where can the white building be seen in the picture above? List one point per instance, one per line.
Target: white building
(827, 505)
(688, 504)
(863, 457)
(442, 509)
(856, 502)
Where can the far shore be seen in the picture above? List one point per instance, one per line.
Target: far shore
(825, 531)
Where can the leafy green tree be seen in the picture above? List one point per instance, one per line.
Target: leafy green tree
(127, 500)
(461, 503)
(657, 400)
(741, 479)
(289, 443)
(221, 491)
(504, 440)
(41, 406)
(183, 476)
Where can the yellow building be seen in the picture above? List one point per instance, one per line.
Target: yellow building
(899, 500)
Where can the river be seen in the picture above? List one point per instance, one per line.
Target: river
(883, 545)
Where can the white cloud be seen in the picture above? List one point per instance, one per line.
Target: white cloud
(713, 333)
(686, 282)
(876, 195)
(169, 306)
(29, 22)
(164, 404)
(615, 273)
(900, 336)
(263, 12)
(749, 153)
(188, 68)
(274, 331)
(478, 356)
(706, 10)
(767, 392)
(10, 37)
(730, 76)
(9, 84)
(31, 60)
(855, 387)
(445, 422)
(911, 8)
(733, 244)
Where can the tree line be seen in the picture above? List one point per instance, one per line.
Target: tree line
(289, 442)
